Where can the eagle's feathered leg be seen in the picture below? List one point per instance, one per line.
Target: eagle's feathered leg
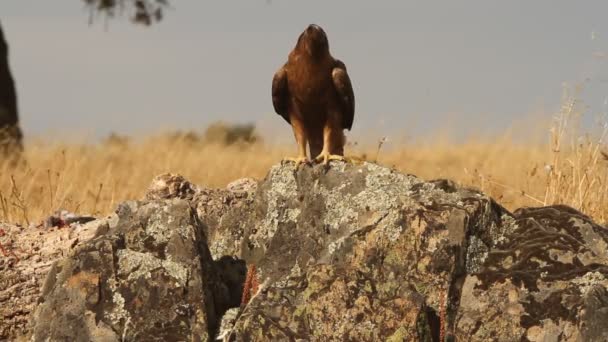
(301, 138)
(332, 142)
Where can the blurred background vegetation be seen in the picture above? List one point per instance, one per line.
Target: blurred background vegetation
(567, 165)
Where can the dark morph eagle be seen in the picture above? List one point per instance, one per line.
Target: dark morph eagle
(313, 92)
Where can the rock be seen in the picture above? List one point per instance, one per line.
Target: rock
(354, 253)
(243, 185)
(211, 205)
(221, 211)
(170, 185)
(543, 278)
(349, 252)
(148, 278)
(30, 252)
(227, 323)
(366, 253)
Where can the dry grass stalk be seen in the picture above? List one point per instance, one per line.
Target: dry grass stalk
(577, 175)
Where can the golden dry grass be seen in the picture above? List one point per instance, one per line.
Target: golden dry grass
(93, 179)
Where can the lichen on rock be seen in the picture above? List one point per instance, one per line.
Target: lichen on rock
(155, 280)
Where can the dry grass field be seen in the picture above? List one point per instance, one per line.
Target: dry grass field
(571, 168)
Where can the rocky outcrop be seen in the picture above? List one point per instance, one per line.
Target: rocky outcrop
(349, 252)
(148, 277)
(26, 255)
(219, 210)
(366, 253)
(357, 253)
(544, 278)
(10, 133)
(134, 275)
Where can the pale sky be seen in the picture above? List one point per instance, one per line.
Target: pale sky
(414, 64)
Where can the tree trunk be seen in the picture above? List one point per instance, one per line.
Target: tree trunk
(10, 133)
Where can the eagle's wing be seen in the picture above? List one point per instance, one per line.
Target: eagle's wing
(280, 94)
(345, 92)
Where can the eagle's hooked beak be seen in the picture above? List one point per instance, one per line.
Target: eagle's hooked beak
(313, 27)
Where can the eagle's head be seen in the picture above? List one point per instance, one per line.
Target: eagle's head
(313, 41)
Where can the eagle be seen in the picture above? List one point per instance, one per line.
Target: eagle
(313, 93)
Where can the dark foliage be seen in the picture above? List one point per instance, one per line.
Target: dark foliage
(143, 12)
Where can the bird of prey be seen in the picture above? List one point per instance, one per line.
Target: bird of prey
(313, 92)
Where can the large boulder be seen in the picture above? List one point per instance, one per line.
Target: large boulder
(26, 256)
(356, 253)
(219, 210)
(149, 277)
(366, 253)
(543, 278)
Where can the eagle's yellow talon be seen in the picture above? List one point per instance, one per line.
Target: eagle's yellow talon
(326, 157)
(354, 160)
(297, 160)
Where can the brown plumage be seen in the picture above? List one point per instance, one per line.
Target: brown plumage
(313, 93)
